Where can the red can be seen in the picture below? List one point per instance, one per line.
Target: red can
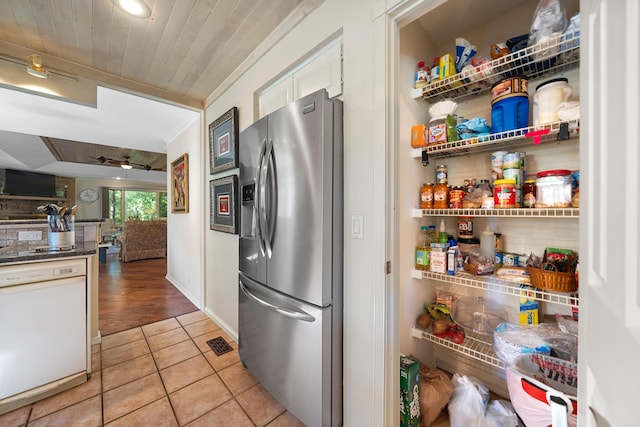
(455, 197)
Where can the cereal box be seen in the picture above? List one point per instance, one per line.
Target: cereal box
(409, 392)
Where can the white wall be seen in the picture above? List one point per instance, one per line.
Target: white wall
(185, 243)
(354, 19)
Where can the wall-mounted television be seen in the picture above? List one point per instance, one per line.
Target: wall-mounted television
(26, 183)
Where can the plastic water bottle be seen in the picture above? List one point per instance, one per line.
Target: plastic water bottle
(488, 244)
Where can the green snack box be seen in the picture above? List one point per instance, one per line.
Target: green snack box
(409, 392)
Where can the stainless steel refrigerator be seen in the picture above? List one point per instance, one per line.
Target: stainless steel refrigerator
(290, 279)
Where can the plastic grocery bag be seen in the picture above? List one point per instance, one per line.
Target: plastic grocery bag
(468, 402)
(549, 19)
(500, 413)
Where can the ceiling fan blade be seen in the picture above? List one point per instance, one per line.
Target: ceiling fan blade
(101, 159)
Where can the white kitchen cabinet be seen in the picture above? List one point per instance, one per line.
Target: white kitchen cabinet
(44, 330)
(321, 70)
(525, 230)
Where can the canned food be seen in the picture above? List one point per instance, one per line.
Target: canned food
(469, 184)
(513, 173)
(441, 174)
(504, 193)
(509, 259)
(497, 163)
(511, 161)
(456, 194)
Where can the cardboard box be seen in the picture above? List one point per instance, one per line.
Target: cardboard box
(438, 262)
(409, 392)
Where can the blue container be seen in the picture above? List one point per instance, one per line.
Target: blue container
(509, 105)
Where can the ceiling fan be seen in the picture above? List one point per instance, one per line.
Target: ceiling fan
(124, 163)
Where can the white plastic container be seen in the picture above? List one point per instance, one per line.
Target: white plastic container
(553, 189)
(548, 96)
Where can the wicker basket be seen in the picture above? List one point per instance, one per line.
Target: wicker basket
(553, 280)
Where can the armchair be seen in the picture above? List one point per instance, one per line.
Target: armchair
(143, 240)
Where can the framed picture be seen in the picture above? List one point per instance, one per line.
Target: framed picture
(223, 142)
(180, 184)
(224, 204)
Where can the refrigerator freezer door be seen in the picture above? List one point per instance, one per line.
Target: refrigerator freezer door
(287, 346)
(253, 143)
(301, 199)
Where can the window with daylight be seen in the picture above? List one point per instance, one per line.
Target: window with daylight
(126, 205)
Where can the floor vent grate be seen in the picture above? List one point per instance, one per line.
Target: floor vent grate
(219, 346)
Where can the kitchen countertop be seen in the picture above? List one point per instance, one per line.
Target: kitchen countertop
(41, 221)
(20, 253)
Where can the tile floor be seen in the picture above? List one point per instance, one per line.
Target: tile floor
(162, 374)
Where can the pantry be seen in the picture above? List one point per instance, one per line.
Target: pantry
(547, 145)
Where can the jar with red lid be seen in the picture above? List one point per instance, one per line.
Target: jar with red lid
(553, 189)
(441, 196)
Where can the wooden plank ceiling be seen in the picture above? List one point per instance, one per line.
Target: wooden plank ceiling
(182, 52)
(186, 47)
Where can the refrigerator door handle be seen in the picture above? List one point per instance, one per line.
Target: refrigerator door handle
(257, 206)
(299, 315)
(273, 196)
(264, 217)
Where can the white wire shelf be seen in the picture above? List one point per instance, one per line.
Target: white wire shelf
(494, 284)
(507, 139)
(550, 56)
(502, 213)
(472, 347)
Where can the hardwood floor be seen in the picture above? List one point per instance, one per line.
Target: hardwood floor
(136, 293)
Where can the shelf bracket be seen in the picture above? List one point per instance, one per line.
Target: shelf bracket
(537, 135)
(425, 158)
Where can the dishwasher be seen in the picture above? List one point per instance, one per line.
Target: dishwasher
(43, 330)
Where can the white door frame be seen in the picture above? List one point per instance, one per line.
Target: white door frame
(389, 17)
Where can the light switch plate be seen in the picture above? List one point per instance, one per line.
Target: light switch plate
(357, 227)
(29, 235)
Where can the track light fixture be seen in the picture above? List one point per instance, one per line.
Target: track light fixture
(36, 68)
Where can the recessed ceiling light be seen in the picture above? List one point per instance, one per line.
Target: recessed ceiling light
(135, 8)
